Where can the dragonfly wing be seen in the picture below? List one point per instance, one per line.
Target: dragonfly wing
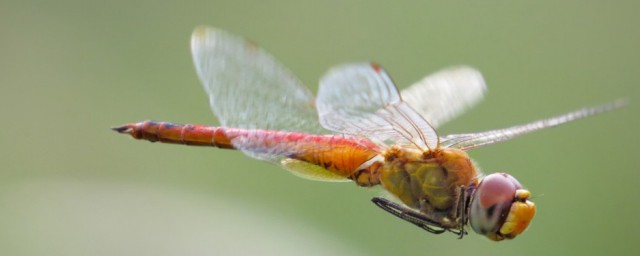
(249, 89)
(361, 100)
(310, 171)
(445, 94)
(474, 140)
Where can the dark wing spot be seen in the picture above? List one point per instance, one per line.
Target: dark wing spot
(377, 68)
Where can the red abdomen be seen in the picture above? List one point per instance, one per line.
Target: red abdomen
(338, 154)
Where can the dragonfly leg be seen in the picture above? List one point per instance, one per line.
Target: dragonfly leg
(410, 215)
(462, 206)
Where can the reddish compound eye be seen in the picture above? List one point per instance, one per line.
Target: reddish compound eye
(499, 207)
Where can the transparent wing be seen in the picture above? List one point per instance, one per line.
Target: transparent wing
(474, 140)
(249, 89)
(445, 94)
(361, 100)
(310, 171)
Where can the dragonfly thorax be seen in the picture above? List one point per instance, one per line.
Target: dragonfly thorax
(432, 183)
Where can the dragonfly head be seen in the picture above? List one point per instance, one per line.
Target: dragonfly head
(500, 208)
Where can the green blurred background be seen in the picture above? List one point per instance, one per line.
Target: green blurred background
(70, 70)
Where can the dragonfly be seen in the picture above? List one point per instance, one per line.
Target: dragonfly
(360, 128)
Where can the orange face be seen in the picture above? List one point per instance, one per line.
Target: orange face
(500, 208)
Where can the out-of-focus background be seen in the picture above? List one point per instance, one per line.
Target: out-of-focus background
(70, 70)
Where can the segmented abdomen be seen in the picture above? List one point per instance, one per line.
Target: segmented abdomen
(338, 154)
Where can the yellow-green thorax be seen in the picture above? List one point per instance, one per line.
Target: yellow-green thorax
(431, 182)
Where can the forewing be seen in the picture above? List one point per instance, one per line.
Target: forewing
(445, 94)
(361, 100)
(248, 88)
(474, 140)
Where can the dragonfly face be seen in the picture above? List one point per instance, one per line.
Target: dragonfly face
(359, 128)
(500, 207)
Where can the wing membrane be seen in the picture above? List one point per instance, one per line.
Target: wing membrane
(474, 140)
(310, 171)
(445, 94)
(361, 100)
(249, 89)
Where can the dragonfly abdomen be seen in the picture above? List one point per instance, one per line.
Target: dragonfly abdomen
(338, 154)
(186, 134)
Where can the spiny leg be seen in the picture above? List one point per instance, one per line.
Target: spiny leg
(462, 205)
(409, 215)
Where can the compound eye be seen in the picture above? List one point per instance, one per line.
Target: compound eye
(497, 198)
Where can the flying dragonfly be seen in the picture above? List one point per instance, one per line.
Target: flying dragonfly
(361, 129)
